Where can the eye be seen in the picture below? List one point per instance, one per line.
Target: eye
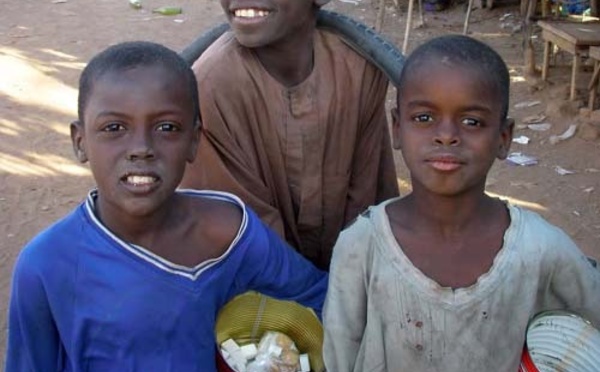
(167, 127)
(113, 127)
(472, 122)
(422, 118)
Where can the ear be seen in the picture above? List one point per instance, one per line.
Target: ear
(78, 141)
(195, 141)
(396, 128)
(506, 137)
(319, 3)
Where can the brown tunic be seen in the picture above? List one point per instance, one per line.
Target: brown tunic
(307, 159)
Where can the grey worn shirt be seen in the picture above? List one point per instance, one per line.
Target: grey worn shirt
(383, 314)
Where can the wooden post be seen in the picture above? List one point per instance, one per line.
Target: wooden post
(466, 26)
(594, 11)
(408, 26)
(574, 75)
(380, 16)
(593, 86)
(544, 8)
(547, 47)
(528, 8)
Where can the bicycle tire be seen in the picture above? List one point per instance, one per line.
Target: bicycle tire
(363, 39)
(194, 50)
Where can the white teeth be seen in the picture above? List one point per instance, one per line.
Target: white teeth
(250, 13)
(140, 180)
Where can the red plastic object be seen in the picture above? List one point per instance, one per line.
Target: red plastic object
(527, 364)
(222, 364)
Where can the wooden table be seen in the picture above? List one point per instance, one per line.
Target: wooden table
(594, 54)
(573, 37)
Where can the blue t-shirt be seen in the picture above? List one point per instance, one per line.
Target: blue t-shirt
(85, 300)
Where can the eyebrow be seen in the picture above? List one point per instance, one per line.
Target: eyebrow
(110, 113)
(475, 107)
(126, 115)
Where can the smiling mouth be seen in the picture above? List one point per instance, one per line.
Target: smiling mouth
(140, 180)
(251, 13)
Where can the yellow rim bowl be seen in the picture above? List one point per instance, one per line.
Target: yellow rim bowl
(248, 316)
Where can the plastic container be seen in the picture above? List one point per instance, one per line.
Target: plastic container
(248, 316)
(559, 341)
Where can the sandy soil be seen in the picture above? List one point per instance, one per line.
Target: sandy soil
(45, 44)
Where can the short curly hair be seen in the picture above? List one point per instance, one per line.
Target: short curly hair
(128, 55)
(463, 51)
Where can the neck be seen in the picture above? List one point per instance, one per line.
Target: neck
(140, 230)
(448, 216)
(290, 62)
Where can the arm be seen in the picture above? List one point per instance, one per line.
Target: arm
(574, 283)
(33, 340)
(373, 177)
(345, 312)
(271, 267)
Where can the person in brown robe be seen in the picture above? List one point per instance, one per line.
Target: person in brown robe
(294, 124)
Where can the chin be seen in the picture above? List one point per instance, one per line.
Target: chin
(251, 40)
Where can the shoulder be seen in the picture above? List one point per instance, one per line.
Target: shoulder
(364, 234)
(219, 216)
(353, 76)
(217, 61)
(340, 51)
(536, 236)
(532, 223)
(53, 244)
(335, 43)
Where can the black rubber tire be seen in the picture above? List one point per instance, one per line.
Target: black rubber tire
(193, 51)
(363, 39)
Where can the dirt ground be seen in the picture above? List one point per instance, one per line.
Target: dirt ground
(45, 44)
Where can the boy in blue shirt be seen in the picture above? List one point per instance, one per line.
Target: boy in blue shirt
(133, 278)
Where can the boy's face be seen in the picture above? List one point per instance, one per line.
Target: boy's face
(139, 133)
(257, 23)
(449, 128)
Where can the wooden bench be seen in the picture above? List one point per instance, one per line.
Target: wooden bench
(575, 38)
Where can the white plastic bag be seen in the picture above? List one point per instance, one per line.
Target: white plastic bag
(276, 353)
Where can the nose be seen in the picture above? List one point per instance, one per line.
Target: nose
(447, 133)
(140, 146)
